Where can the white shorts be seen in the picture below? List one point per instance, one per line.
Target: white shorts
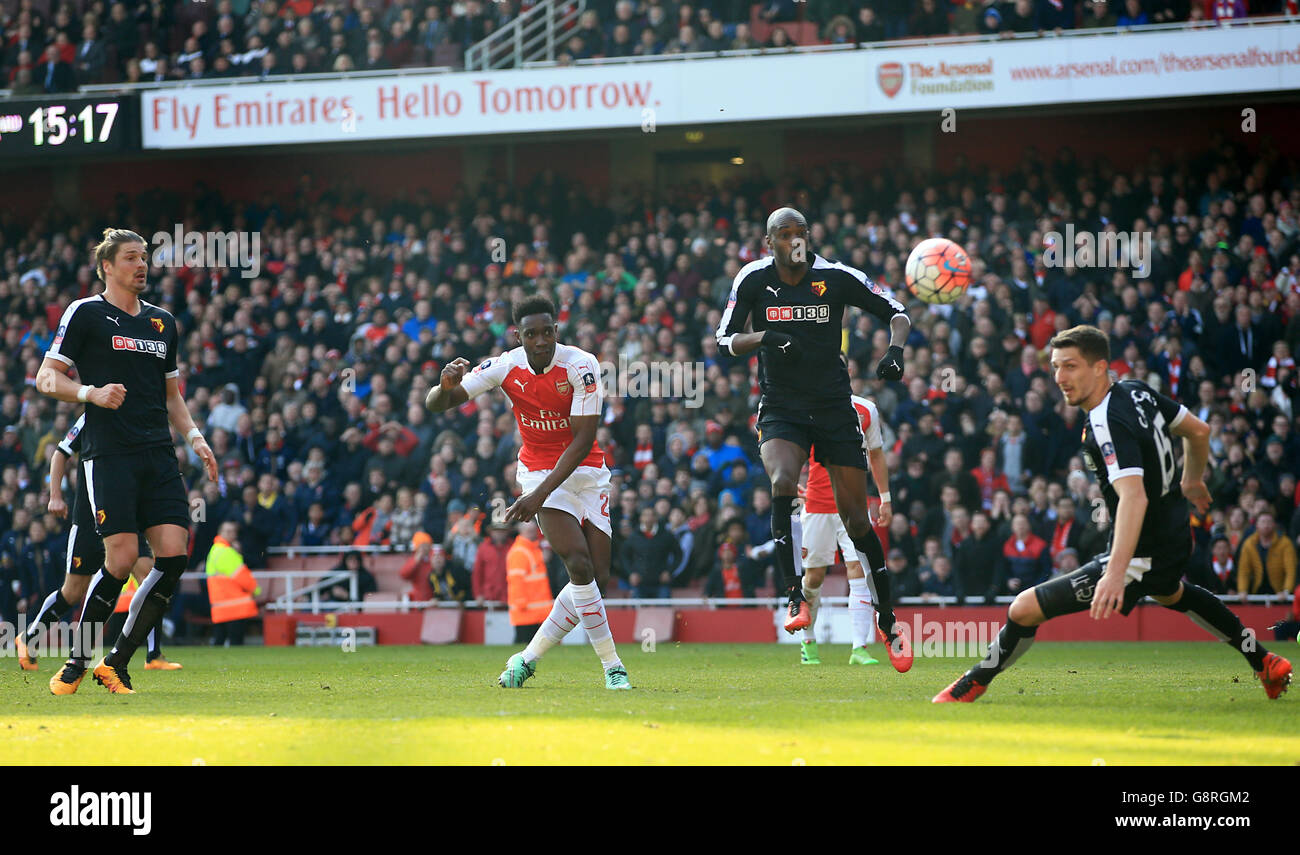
(821, 534)
(584, 494)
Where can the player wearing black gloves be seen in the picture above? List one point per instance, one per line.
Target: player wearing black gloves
(795, 300)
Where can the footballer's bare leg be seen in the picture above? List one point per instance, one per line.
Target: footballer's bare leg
(783, 460)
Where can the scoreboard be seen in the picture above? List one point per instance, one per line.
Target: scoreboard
(75, 125)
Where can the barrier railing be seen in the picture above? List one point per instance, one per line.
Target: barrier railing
(405, 604)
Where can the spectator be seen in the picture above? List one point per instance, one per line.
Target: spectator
(1026, 559)
(648, 556)
(976, 561)
(939, 582)
(417, 569)
(1267, 562)
(902, 578)
(91, 57)
(54, 68)
(732, 577)
(1099, 15)
(1133, 14)
(450, 581)
(991, 21)
(489, 576)
(341, 592)
(928, 20)
(1223, 569)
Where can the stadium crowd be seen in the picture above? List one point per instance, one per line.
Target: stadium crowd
(308, 380)
(52, 46)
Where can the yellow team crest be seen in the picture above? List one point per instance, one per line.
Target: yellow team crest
(819, 287)
(100, 516)
(76, 561)
(157, 324)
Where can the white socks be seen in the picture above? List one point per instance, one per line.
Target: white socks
(814, 598)
(862, 612)
(591, 611)
(575, 604)
(558, 623)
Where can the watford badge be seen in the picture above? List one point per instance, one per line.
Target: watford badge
(819, 287)
(157, 324)
(100, 516)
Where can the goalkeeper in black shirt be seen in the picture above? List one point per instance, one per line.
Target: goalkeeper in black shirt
(795, 300)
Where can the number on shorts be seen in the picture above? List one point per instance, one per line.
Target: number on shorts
(604, 504)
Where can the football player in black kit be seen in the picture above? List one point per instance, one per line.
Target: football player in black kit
(125, 353)
(795, 300)
(1128, 443)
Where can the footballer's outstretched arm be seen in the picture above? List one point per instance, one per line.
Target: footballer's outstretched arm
(448, 393)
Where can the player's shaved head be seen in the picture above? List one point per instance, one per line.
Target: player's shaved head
(785, 217)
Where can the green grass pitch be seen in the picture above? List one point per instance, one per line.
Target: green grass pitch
(1076, 703)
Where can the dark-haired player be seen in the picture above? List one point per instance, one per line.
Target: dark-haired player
(556, 396)
(125, 353)
(795, 301)
(84, 558)
(1128, 443)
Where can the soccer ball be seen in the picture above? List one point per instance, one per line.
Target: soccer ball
(938, 271)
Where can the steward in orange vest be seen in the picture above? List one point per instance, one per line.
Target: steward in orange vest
(231, 586)
(528, 587)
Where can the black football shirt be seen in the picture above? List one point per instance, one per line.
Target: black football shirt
(109, 346)
(813, 313)
(1128, 433)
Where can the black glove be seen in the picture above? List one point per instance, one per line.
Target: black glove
(891, 364)
(782, 345)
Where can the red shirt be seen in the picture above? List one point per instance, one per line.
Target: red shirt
(990, 482)
(543, 403)
(488, 580)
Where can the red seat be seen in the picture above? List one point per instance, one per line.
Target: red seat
(440, 626)
(387, 569)
(320, 562)
(657, 619)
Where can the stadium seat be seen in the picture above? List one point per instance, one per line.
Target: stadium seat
(441, 626)
(657, 619)
(319, 562)
(387, 570)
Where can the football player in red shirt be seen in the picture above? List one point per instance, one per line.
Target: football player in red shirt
(556, 397)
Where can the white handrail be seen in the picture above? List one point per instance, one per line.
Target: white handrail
(405, 604)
